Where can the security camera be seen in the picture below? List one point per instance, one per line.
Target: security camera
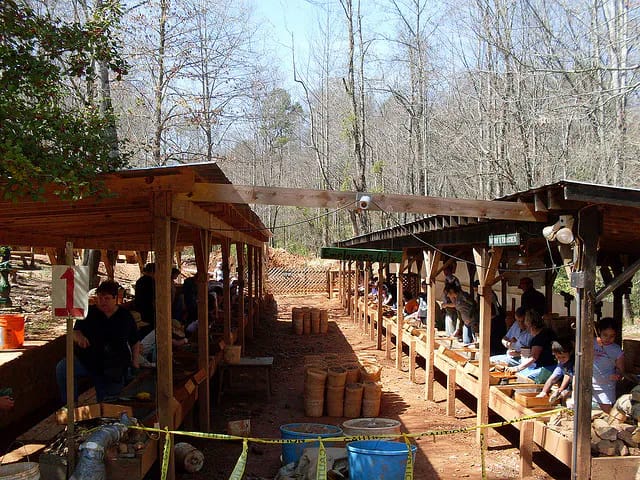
(363, 202)
(560, 231)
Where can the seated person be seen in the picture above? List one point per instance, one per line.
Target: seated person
(410, 303)
(421, 312)
(540, 363)
(517, 337)
(190, 297)
(563, 351)
(106, 344)
(387, 296)
(148, 349)
(145, 299)
(608, 364)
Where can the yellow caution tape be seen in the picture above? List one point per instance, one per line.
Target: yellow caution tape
(408, 471)
(483, 448)
(321, 468)
(238, 471)
(165, 455)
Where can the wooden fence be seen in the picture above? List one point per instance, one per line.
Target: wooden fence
(297, 281)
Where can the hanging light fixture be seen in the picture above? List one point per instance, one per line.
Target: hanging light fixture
(523, 259)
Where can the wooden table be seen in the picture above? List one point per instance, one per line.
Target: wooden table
(260, 365)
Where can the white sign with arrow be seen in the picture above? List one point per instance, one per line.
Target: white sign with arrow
(69, 291)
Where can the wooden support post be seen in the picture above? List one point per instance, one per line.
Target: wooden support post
(349, 289)
(584, 281)
(329, 286)
(365, 314)
(487, 267)
(226, 290)
(451, 392)
(412, 360)
(526, 449)
(71, 380)
(241, 317)
(378, 328)
(250, 289)
(141, 258)
(404, 265)
(356, 294)
(262, 255)
(341, 280)
(431, 260)
(163, 252)
(202, 248)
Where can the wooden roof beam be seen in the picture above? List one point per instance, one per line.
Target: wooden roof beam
(493, 209)
(187, 212)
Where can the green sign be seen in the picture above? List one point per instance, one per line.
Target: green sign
(504, 240)
(361, 254)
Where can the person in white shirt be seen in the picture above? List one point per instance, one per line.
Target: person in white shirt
(516, 338)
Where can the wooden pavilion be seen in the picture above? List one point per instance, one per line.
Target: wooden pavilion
(604, 223)
(154, 210)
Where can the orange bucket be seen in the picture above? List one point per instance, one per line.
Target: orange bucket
(11, 330)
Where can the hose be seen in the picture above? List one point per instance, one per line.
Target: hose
(91, 462)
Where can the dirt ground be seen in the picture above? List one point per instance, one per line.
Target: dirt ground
(455, 456)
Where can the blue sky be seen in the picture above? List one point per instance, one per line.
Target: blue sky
(285, 18)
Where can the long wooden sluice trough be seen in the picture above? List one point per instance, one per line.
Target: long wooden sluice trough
(455, 361)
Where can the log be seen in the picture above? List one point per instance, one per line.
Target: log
(188, 457)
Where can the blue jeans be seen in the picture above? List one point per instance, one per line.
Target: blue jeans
(538, 375)
(505, 358)
(467, 334)
(105, 386)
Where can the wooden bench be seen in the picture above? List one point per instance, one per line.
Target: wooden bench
(256, 364)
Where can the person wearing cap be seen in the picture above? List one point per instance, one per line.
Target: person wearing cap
(532, 299)
(106, 345)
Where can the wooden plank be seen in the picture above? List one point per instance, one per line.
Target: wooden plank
(378, 329)
(241, 320)
(400, 312)
(615, 468)
(588, 227)
(412, 360)
(162, 248)
(526, 449)
(386, 202)
(451, 392)
(487, 267)
(431, 260)
(192, 214)
(365, 313)
(226, 291)
(202, 250)
(250, 289)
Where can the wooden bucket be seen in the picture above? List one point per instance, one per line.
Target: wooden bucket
(353, 399)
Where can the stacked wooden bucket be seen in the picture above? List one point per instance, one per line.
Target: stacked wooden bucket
(342, 386)
(307, 320)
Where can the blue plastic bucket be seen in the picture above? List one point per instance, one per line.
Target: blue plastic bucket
(379, 459)
(291, 452)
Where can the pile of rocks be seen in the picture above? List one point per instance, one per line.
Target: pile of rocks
(610, 437)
